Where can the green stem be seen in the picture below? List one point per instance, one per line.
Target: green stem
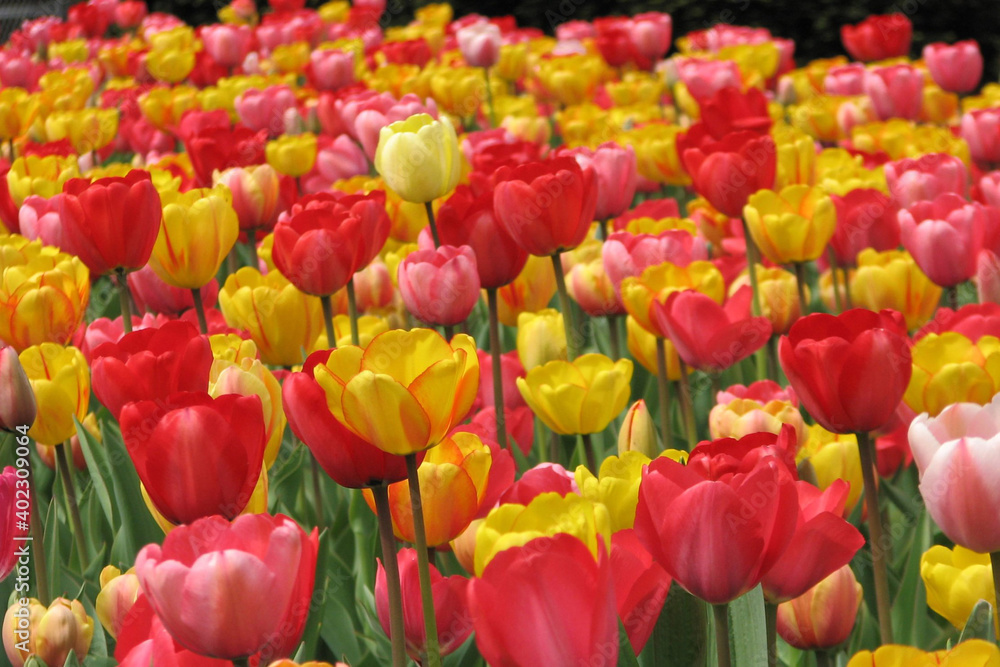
(588, 448)
(800, 285)
(687, 406)
(953, 297)
(848, 301)
(565, 306)
(352, 312)
(69, 491)
(423, 567)
(834, 278)
(614, 337)
(124, 300)
(252, 243)
(761, 354)
(317, 492)
(331, 336)
(663, 384)
(721, 613)
(771, 626)
(397, 634)
(772, 358)
(495, 354)
(449, 331)
(554, 447)
(489, 99)
(876, 540)
(824, 659)
(602, 229)
(430, 219)
(37, 529)
(199, 309)
(995, 564)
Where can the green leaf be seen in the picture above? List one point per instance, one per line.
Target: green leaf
(911, 623)
(97, 464)
(747, 630)
(626, 656)
(337, 630)
(72, 660)
(980, 623)
(310, 636)
(680, 636)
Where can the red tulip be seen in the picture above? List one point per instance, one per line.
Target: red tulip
(878, 37)
(849, 371)
(324, 239)
(345, 457)
(143, 641)
(641, 587)
(217, 149)
(955, 67)
(547, 206)
(450, 606)
(717, 539)
(519, 422)
(227, 44)
(823, 543)
(731, 110)
(486, 158)
(205, 583)
(15, 515)
(548, 602)
(866, 218)
(723, 458)
(973, 320)
(543, 478)
(196, 456)
(708, 336)
(728, 171)
(111, 223)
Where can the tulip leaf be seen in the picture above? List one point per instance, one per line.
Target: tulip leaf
(747, 630)
(71, 659)
(910, 620)
(680, 636)
(310, 636)
(97, 464)
(980, 623)
(626, 656)
(337, 630)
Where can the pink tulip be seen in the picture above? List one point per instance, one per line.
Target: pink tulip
(912, 180)
(440, 286)
(616, 170)
(152, 294)
(896, 91)
(479, 44)
(650, 34)
(989, 189)
(762, 391)
(956, 454)
(226, 43)
(988, 277)
(336, 159)
(944, 236)
(330, 69)
(510, 370)
(265, 109)
(704, 78)
(205, 584)
(981, 130)
(543, 478)
(519, 421)
(626, 255)
(845, 80)
(955, 67)
(370, 120)
(39, 218)
(130, 13)
(17, 399)
(575, 31)
(12, 512)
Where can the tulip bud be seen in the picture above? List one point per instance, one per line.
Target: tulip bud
(118, 593)
(824, 616)
(540, 337)
(17, 400)
(637, 432)
(50, 634)
(292, 155)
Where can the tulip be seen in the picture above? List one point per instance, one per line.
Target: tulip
(60, 380)
(588, 284)
(641, 587)
(49, 634)
(419, 158)
(170, 65)
(956, 580)
(513, 600)
(793, 225)
(38, 218)
(571, 79)
(944, 236)
(911, 181)
(42, 176)
(450, 606)
(845, 80)
(14, 524)
(249, 377)
(17, 399)
(955, 67)
(164, 439)
(264, 110)
(866, 218)
(708, 336)
(637, 433)
(292, 155)
(227, 44)
(112, 223)
(546, 207)
(627, 255)
(331, 69)
(541, 338)
(615, 168)
(118, 594)
(198, 230)
(578, 397)
(896, 91)
(817, 353)
(280, 319)
(740, 417)
(979, 129)
(878, 37)
(440, 286)
(657, 153)
(728, 171)
(479, 43)
(616, 486)
(823, 616)
(530, 292)
(735, 548)
(968, 652)
(428, 385)
(891, 279)
(656, 283)
(252, 553)
(220, 148)
(256, 194)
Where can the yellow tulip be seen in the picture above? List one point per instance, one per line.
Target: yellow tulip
(405, 391)
(461, 91)
(198, 230)
(513, 525)
(541, 338)
(119, 591)
(571, 79)
(419, 158)
(743, 416)
(291, 58)
(657, 282)
(642, 346)
(796, 157)
(292, 154)
(513, 62)
(164, 107)
(817, 117)
(956, 579)
(52, 632)
(60, 378)
(838, 172)
(635, 88)
(42, 176)
(834, 456)
(791, 225)
(530, 292)
(581, 396)
(281, 320)
(249, 377)
(71, 51)
(529, 128)
(435, 14)
(656, 153)
(638, 433)
(949, 368)
(779, 297)
(14, 103)
(940, 106)
(892, 279)
(170, 64)
(976, 652)
(616, 486)
(87, 129)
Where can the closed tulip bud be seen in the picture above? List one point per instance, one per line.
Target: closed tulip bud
(46, 633)
(955, 67)
(541, 338)
(60, 379)
(824, 616)
(638, 433)
(419, 158)
(17, 400)
(330, 69)
(249, 377)
(293, 155)
(956, 580)
(793, 225)
(891, 279)
(440, 286)
(118, 593)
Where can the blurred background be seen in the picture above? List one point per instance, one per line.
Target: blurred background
(814, 24)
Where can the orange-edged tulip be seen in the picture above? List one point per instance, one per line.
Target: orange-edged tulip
(49, 634)
(791, 225)
(656, 283)
(950, 368)
(405, 391)
(823, 616)
(17, 400)
(119, 591)
(256, 194)
(60, 379)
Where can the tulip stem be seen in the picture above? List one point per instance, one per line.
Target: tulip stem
(489, 102)
(317, 492)
(397, 635)
(824, 659)
(495, 354)
(721, 613)
(352, 312)
(449, 331)
(124, 300)
(876, 542)
(664, 391)
(848, 302)
(953, 297)
(430, 219)
(433, 658)
(588, 450)
(800, 285)
(199, 309)
(995, 564)
(252, 243)
(565, 306)
(687, 406)
(331, 337)
(553, 447)
(771, 627)
(832, 256)
(761, 354)
(772, 358)
(38, 539)
(69, 494)
(615, 337)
